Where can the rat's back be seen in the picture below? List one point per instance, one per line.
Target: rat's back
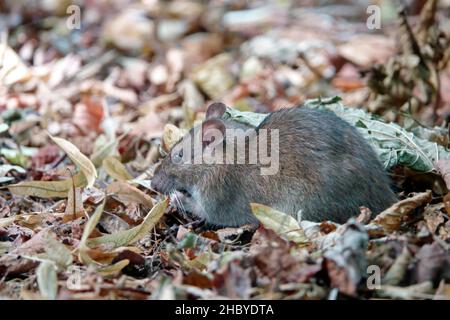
(326, 169)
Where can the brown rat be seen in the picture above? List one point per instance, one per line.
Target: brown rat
(326, 170)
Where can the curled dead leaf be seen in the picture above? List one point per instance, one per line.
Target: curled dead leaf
(283, 224)
(346, 262)
(126, 193)
(391, 218)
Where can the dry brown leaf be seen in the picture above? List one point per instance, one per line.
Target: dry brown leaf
(74, 207)
(397, 271)
(346, 262)
(127, 194)
(108, 149)
(390, 219)
(432, 262)
(284, 225)
(359, 49)
(55, 251)
(443, 166)
(88, 115)
(150, 126)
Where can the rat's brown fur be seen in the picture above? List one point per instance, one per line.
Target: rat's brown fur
(326, 172)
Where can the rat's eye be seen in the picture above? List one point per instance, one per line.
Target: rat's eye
(177, 156)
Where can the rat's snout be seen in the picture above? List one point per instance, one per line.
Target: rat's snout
(157, 183)
(167, 183)
(162, 183)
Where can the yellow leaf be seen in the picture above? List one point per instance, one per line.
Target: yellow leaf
(116, 169)
(284, 225)
(132, 235)
(83, 162)
(47, 189)
(97, 256)
(114, 268)
(88, 228)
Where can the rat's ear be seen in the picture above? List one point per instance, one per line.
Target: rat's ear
(215, 110)
(213, 130)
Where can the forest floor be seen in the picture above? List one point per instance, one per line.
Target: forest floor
(87, 92)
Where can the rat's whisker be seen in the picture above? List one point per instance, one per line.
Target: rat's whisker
(183, 209)
(179, 203)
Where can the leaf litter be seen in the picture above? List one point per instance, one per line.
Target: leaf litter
(85, 116)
